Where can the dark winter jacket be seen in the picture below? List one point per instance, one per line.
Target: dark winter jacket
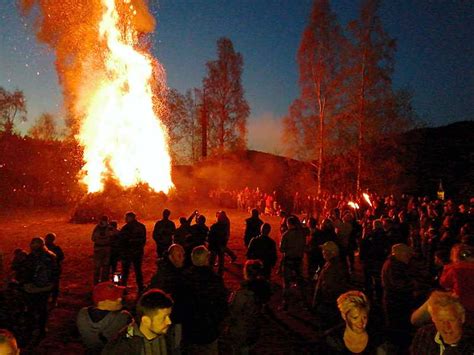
(131, 341)
(397, 284)
(245, 305)
(205, 305)
(333, 280)
(95, 333)
(252, 229)
(163, 233)
(218, 236)
(263, 248)
(133, 239)
(293, 243)
(428, 342)
(169, 279)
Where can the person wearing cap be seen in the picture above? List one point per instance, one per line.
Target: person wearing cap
(332, 281)
(147, 334)
(398, 296)
(101, 322)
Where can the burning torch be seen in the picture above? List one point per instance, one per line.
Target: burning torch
(355, 206)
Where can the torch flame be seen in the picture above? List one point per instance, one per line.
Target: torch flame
(121, 135)
(367, 198)
(354, 205)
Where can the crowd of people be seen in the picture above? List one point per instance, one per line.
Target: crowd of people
(414, 258)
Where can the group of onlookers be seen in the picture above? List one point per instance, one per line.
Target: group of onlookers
(391, 276)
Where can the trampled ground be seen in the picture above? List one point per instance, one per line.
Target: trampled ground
(289, 333)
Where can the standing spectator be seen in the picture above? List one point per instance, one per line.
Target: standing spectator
(332, 281)
(19, 266)
(206, 305)
(198, 236)
(252, 227)
(163, 233)
(42, 275)
(263, 248)
(218, 235)
(292, 246)
(100, 323)
(374, 249)
(343, 234)
(169, 278)
(226, 220)
(183, 231)
(446, 334)
(114, 246)
(133, 235)
(49, 242)
(8, 345)
(398, 294)
(245, 308)
(313, 248)
(101, 236)
(147, 334)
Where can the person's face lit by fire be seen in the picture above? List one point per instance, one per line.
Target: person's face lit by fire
(177, 257)
(159, 323)
(448, 321)
(356, 319)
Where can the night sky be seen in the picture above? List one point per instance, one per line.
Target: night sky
(434, 57)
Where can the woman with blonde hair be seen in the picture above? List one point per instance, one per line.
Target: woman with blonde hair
(354, 338)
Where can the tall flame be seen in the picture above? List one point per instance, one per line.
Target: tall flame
(121, 134)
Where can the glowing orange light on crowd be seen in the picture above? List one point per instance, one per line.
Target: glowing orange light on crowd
(121, 134)
(367, 198)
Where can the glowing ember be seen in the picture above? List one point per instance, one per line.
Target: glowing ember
(354, 205)
(121, 135)
(367, 198)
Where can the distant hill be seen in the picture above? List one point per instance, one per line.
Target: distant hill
(443, 153)
(426, 155)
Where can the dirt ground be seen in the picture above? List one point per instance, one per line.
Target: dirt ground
(290, 333)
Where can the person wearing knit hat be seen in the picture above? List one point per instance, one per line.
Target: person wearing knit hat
(100, 323)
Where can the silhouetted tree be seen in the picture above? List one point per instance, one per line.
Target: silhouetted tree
(371, 69)
(226, 108)
(321, 61)
(12, 108)
(45, 128)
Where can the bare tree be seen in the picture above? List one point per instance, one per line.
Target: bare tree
(321, 73)
(224, 102)
(45, 128)
(12, 109)
(372, 57)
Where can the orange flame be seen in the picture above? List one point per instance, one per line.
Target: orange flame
(121, 134)
(367, 198)
(354, 205)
